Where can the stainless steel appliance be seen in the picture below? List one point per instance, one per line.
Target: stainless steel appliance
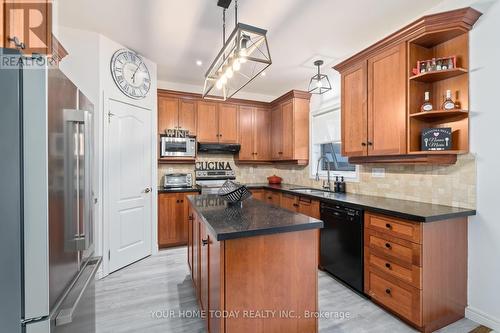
(178, 180)
(341, 242)
(46, 200)
(219, 148)
(177, 147)
(210, 176)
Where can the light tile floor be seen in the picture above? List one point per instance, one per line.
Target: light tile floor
(140, 298)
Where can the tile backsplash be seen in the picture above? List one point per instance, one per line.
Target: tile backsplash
(453, 185)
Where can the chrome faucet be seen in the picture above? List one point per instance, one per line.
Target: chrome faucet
(328, 183)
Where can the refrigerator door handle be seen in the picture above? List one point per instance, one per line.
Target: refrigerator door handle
(65, 316)
(88, 211)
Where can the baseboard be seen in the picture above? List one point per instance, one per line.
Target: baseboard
(482, 318)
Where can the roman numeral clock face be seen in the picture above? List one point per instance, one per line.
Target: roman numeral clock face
(130, 74)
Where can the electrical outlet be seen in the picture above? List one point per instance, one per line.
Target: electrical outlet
(378, 172)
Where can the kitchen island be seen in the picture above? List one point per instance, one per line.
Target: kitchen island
(254, 268)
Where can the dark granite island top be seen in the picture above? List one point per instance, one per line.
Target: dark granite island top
(405, 209)
(254, 218)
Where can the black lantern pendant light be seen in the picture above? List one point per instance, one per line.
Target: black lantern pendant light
(319, 83)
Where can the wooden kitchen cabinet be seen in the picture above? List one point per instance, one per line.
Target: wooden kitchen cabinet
(172, 219)
(228, 123)
(302, 205)
(208, 123)
(417, 270)
(387, 102)
(259, 194)
(217, 123)
(273, 198)
(204, 283)
(290, 128)
(254, 134)
(175, 113)
(382, 92)
(374, 104)
(354, 118)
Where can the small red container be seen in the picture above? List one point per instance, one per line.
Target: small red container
(274, 179)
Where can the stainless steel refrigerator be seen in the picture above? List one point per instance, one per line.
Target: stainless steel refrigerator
(46, 199)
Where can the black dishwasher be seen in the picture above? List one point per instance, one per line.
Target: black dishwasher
(341, 242)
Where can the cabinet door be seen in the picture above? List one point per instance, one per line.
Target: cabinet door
(207, 123)
(309, 207)
(354, 111)
(215, 283)
(289, 201)
(287, 130)
(259, 194)
(228, 123)
(168, 113)
(170, 229)
(190, 238)
(247, 151)
(204, 267)
(273, 198)
(196, 254)
(387, 102)
(262, 134)
(276, 133)
(187, 116)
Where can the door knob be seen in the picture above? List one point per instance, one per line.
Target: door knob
(147, 190)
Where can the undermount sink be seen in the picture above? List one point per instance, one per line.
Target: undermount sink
(308, 190)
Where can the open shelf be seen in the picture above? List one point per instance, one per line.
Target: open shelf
(439, 114)
(438, 75)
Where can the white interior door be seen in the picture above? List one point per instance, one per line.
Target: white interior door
(129, 184)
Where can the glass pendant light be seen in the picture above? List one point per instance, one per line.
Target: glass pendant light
(319, 83)
(244, 55)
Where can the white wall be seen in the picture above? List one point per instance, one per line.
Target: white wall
(484, 228)
(88, 66)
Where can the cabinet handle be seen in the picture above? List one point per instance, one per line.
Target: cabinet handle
(190, 218)
(387, 245)
(177, 201)
(363, 144)
(295, 205)
(370, 143)
(182, 200)
(388, 265)
(17, 43)
(388, 291)
(388, 226)
(204, 242)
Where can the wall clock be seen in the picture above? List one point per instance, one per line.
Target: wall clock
(130, 74)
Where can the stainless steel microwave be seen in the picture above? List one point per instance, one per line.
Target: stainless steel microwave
(177, 147)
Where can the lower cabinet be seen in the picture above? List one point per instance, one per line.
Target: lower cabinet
(172, 214)
(227, 274)
(273, 198)
(418, 271)
(259, 194)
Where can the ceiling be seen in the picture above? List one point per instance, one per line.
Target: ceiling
(175, 34)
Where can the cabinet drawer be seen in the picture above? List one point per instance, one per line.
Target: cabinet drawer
(406, 273)
(403, 299)
(394, 227)
(393, 247)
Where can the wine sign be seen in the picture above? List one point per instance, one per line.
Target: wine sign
(436, 138)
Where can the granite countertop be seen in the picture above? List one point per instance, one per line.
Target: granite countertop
(195, 188)
(405, 209)
(254, 218)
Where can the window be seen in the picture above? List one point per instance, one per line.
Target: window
(325, 141)
(337, 162)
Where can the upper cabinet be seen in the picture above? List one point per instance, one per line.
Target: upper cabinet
(217, 122)
(290, 128)
(383, 89)
(387, 102)
(254, 134)
(267, 132)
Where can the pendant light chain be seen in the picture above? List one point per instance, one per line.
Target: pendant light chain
(223, 26)
(236, 13)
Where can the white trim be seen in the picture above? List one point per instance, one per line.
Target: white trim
(482, 318)
(349, 176)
